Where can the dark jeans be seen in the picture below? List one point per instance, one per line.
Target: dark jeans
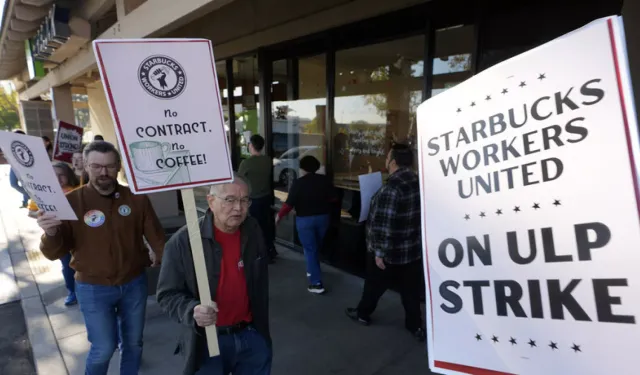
(242, 353)
(107, 310)
(261, 210)
(68, 273)
(311, 231)
(13, 180)
(406, 277)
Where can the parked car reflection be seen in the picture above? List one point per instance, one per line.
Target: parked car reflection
(286, 168)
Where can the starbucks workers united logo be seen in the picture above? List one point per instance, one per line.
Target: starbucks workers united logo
(22, 154)
(162, 77)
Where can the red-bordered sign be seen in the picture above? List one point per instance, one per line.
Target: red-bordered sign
(187, 146)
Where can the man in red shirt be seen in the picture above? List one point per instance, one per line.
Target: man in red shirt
(236, 260)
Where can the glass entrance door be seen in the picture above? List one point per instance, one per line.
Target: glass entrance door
(298, 108)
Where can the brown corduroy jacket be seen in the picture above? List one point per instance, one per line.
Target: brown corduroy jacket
(106, 241)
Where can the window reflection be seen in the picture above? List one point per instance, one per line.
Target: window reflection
(246, 102)
(453, 57)
(378, 90)
(299, 113)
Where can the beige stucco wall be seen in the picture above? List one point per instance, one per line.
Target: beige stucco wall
(241, 26)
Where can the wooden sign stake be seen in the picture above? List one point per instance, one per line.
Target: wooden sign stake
(197, 252)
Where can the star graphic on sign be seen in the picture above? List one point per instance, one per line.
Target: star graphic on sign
(553, 346)
(482, 214)
(542, 76)
(499, 212)
(557, 203)
(478, 337)
(516, 209)
(459, 110)
(473, 104)
(488, 97)
(495, 339)
(536, 206)
(576, 348)
(523, 84)
(532, 343)
(467, 217)
(180, 72)
(513, 341)
(504, 91)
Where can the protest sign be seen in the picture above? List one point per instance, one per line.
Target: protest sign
(165, 103)
(30, 161)
(68, 140)
(530, 208)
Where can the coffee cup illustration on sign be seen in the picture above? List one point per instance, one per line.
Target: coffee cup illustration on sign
(158, 165)
(146, 154)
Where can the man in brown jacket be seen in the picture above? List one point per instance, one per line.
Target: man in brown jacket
(109, 257)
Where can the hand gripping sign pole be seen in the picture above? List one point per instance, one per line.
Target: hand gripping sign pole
(170, 135)
(195, 240)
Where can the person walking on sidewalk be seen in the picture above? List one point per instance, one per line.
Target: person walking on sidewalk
(310, 195)
(68, 182)
(236, 261)
(394, 243)
(15, 182)
(109, 257)
(257, 170)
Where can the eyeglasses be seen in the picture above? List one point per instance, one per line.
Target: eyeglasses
(231, 201)
(98, 167)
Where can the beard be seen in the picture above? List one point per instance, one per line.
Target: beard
(104, 184)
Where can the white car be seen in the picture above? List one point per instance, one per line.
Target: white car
(286, 168)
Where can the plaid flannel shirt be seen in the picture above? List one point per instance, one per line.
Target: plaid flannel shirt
(393, 225)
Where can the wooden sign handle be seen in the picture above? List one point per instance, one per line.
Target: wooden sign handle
(197, 252)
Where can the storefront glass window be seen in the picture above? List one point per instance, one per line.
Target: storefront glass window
(453, 57)
(246, 102)
(299, 113)
(378, 90)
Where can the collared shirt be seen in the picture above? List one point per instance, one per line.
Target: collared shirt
(393, 225)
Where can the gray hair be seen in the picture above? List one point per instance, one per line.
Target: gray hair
(237, 179)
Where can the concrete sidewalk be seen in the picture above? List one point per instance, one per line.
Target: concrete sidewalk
(311, 333)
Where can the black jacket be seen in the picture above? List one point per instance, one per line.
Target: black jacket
(177, 291)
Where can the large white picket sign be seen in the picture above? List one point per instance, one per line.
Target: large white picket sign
(530, 205)
(165, 102)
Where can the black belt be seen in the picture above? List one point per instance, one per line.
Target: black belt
(230, 330)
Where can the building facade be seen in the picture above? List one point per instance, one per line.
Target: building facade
(337, 79)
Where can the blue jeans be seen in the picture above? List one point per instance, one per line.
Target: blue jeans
(108, 310)
(242, 353)
(68, 273)
(13, 180)
(311, 231)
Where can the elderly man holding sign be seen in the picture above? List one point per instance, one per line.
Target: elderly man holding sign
(236, 260)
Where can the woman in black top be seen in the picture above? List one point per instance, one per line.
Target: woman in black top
(310, 196)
